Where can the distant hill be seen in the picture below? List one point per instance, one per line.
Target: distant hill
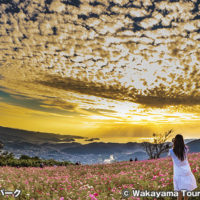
(194, 146)
(65, 147)
(189, 140)
(102, 148)
(18, 135)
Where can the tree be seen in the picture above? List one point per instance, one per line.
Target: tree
(24, 157)
(6, 155)
(158, 145)
(35, 158)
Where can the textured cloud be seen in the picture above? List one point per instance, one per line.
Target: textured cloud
(69, 53)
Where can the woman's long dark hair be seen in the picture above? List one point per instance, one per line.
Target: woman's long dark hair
(179, 147)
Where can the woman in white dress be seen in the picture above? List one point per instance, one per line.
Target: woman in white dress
(183, 177)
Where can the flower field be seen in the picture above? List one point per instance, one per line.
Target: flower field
(93, 182)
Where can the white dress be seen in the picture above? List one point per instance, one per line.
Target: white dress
(183, 178)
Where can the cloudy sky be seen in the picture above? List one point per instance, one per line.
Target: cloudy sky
(110, 69)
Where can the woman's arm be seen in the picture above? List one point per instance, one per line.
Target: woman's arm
(187, 149)
(169, 153)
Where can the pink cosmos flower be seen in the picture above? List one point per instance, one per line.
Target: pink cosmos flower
(93, 197)
(154, 177)
(194, 170)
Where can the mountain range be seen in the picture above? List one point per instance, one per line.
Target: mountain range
(65, 147)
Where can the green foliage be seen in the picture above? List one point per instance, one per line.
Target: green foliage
(24, 157)
(6, 155)
(7, 159)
